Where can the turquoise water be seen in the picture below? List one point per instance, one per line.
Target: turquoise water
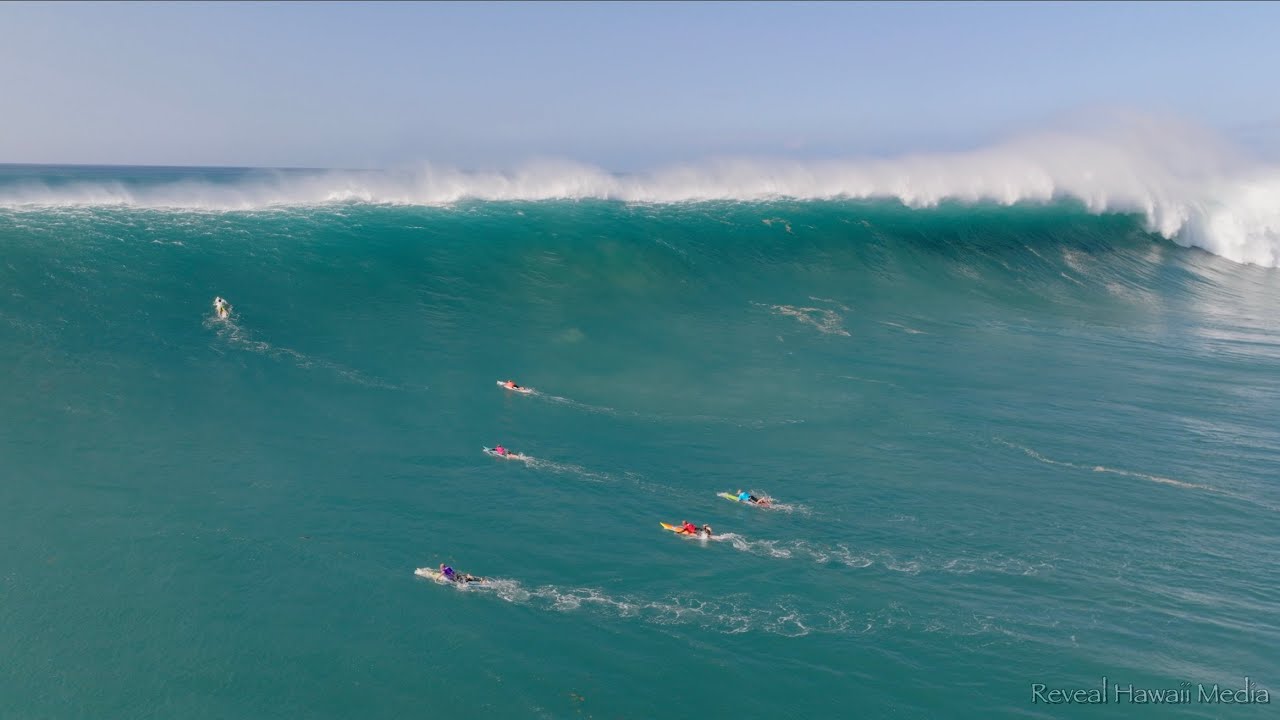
(1012, 445)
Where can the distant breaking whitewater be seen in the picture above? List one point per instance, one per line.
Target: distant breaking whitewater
(1189, 187)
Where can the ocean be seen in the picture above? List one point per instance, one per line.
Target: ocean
(1020, 441)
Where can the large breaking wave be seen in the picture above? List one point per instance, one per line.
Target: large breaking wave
(1189, 186)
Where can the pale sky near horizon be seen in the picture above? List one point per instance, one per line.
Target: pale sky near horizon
(621, 85)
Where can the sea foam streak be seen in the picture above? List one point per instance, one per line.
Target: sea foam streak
(723, 615)
(856, 559)
(231, 332)
(793, 616)
(1189, 186)
(567, 469)
(1172, 482)
(827, 321)
(755, 423)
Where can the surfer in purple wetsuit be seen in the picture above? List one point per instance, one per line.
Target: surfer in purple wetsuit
(452, 575)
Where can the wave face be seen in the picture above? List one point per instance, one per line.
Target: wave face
(1000, 436)
(1187, 186)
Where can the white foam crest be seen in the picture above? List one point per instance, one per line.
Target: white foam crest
(1242, 223)
(1190, 186)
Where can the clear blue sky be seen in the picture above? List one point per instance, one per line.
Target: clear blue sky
(626, 86)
